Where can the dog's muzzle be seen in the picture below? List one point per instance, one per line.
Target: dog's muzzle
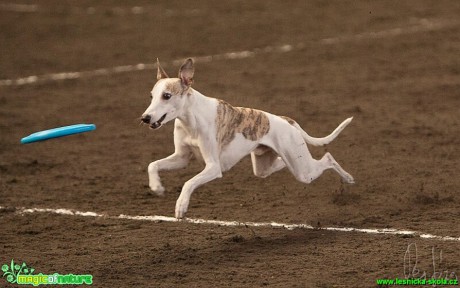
(157, 124)
(146, 119)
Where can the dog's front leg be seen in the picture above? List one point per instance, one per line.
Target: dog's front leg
(175, 161)
(210, 172)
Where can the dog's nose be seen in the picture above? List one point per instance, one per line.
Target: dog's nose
(146, 119)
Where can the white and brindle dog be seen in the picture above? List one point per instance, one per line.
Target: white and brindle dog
(221, 135)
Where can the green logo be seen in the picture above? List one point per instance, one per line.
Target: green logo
(22, 274)
(12, 271)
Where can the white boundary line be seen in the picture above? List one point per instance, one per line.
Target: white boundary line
(23, 8)
(117, 11)
(387, 231)
(421, 25)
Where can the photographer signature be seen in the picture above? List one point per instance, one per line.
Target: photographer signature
(412, 271)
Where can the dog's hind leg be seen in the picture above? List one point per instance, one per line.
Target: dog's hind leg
(330, 163)
(317, 167)
(302, 165)
(265, 161)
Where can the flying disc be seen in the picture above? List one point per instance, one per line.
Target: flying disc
(58, 132)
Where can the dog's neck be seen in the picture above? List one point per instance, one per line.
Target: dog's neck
(196, 112)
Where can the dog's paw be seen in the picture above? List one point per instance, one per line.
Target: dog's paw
(158, 189)
(181, 207)
(348, 179)
(180, 212)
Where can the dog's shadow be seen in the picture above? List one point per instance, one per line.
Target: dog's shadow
(281, 241)
(246, 246)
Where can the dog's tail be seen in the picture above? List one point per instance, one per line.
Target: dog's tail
(328, 139)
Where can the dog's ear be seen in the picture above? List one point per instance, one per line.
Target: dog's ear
(161, 74)
(186, 72)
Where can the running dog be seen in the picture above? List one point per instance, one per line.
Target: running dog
(221, 135)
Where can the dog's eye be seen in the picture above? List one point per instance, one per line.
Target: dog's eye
(167, 96)
(151, 97)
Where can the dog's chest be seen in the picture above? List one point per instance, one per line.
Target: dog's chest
(192, 143)
(196, 151)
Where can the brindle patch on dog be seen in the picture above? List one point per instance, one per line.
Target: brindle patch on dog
(251, 123)
(289, 120)
(174, 87)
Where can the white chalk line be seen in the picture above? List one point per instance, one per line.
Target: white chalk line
(422, 25)
(156, 218)
(23, 8)
(117, 11)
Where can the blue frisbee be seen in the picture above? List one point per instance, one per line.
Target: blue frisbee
(58, 132)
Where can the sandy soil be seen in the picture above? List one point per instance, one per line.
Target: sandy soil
(402, 87)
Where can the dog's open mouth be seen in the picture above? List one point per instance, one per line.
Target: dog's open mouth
(157, 124)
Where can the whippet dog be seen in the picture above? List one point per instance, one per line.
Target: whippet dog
(221, 135)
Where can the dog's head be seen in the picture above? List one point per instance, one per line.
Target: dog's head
(168, 95)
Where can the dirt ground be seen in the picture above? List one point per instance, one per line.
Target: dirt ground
(401, 86)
